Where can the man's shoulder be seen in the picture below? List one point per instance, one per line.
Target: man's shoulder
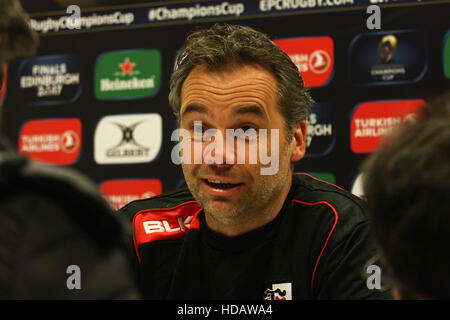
(338, 202)
(166, 202)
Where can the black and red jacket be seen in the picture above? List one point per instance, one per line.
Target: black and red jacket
(316, 248)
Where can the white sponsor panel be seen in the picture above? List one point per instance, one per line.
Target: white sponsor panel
(128, 138)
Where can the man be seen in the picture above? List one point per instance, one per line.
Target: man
(246, 229)
(59, 238)
(407, 185)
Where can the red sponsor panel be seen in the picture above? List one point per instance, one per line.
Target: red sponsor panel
(51, 141)
(371, 121)
(313, 56)
(3, 82)
(120, 192)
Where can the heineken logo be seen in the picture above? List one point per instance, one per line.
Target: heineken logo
(131, 74)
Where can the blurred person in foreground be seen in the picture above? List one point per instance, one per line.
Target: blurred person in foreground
(407, 186)
(59, 238)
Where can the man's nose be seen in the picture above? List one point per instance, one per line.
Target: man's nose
(219, 152)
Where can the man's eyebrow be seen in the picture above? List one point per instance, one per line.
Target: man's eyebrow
(255, 110)
(192, 108)
(244, 110)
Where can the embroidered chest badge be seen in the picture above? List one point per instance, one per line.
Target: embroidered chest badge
(279, 291)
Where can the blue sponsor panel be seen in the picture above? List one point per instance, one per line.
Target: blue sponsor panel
(388, 57)
(321, 131)
(47, 80)
(166, 12)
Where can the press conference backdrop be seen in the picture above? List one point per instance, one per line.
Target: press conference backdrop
(95, 98)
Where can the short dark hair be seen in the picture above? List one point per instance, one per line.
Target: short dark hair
(16, 36)
(223, 45)
(407, 188)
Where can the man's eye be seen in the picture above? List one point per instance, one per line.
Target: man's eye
(199, 129)
(246, 128)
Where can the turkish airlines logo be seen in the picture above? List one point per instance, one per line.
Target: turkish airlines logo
(371, 121)
(313, 56)
(319, 61)
(52, 141)
(134, 138)
(121, 192)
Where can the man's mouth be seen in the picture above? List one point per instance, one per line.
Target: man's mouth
(218, 184)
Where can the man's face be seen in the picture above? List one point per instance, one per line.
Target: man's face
(244, 97)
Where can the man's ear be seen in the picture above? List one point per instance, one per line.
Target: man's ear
(298, 143)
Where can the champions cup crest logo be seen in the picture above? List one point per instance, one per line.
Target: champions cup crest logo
(386, 48)
(397, 56)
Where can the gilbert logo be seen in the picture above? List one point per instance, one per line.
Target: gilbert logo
(313, 56)
(371, 121)
(52, 141)
(128, 138)
(121, 192)
(130, 74)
